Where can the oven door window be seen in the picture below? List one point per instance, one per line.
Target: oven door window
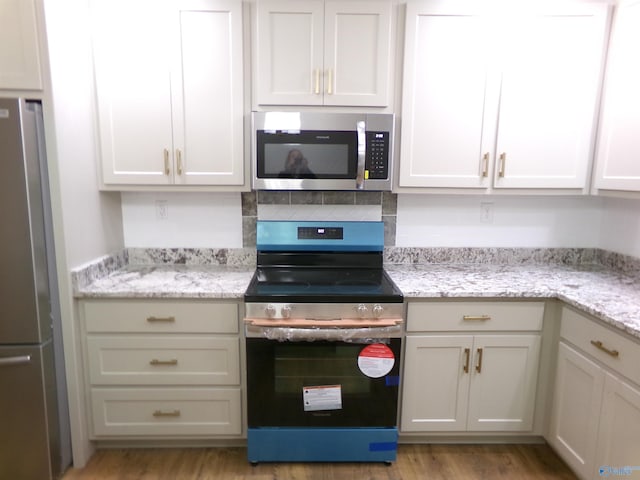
(307, 154)
(289, 381)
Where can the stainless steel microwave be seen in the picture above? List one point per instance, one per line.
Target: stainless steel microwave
(322, 151)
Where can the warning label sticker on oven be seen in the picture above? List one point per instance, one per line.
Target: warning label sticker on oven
(376, 360)
(325, 397)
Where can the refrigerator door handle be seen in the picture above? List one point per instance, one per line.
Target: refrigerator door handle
(18, 360)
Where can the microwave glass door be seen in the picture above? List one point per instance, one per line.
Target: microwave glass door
(307, 154)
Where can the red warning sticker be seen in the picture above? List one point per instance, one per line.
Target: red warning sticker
(376, 360)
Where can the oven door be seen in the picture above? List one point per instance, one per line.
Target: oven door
(322, 383)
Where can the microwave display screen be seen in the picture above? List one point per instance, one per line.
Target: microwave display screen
(307, 154)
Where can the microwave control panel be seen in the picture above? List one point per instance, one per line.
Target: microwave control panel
(376, 163)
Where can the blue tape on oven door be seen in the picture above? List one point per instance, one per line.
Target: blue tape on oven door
(392, 380)
(382, 446)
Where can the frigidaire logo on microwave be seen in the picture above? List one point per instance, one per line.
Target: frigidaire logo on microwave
(322, 151)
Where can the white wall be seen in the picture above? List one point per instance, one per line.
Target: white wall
(620, 228)
(92, 220)
(215, 221)
(463, 221)
(187, 220)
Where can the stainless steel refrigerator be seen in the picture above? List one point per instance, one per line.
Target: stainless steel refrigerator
(34, 419)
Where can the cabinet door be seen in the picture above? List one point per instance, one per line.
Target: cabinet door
(208, 93)
(436, 383)
(357, 49)
(289, 59)
(445, 80)
(618, 149)
(19, 46)
(131, 43)
(619, 433)
(504, 374)
(576, 409)
(548, 98)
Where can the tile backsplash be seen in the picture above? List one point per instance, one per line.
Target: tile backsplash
(316, 205)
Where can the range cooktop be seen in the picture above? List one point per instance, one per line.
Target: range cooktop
(322, 285)
(321, 262)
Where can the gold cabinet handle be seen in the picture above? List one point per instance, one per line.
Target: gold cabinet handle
(470, 318)
(170, 413)
(598, 344)
(330, 85)
(479, 364)
(166, 162)
(155, 362)
(179, 161)
(467, 355)
(161, 319)
(485, 164)
(316, 90)
(503, 161)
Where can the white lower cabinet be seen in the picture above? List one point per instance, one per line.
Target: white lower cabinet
(618, 443)
(473, 380)
(577, 403)
(595, 423)
(165, 411)
(503, 378)
(436, 389)
(163, 368)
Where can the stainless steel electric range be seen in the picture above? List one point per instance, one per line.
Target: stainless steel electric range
(323, 329)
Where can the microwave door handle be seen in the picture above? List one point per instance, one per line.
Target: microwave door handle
(362, 150)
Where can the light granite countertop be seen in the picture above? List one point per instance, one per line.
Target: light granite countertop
(171, 281)
(608, 294)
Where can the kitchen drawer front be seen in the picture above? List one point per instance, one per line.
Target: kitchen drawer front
(158, 360)
(166, 412)
(602, 343)
(159, 316)
(474, 316)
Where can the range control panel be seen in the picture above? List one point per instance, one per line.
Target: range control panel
(320, 233)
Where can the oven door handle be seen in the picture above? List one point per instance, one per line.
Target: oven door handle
(329, 323)
(292, 334)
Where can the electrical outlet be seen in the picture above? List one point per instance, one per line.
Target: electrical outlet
(486, 212)
(162, 210)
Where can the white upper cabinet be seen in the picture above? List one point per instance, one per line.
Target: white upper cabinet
(500, 100)
(20, 67)
(289, 52)
(443, 98)
(618, 152)
(170, 91)
(316, 52)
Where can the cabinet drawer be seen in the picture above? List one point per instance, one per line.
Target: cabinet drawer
(166, 412)
(136, 360)
(476, 316)
(612, 349)
(158, 316)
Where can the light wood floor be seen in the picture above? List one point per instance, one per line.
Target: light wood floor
(415, 462)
